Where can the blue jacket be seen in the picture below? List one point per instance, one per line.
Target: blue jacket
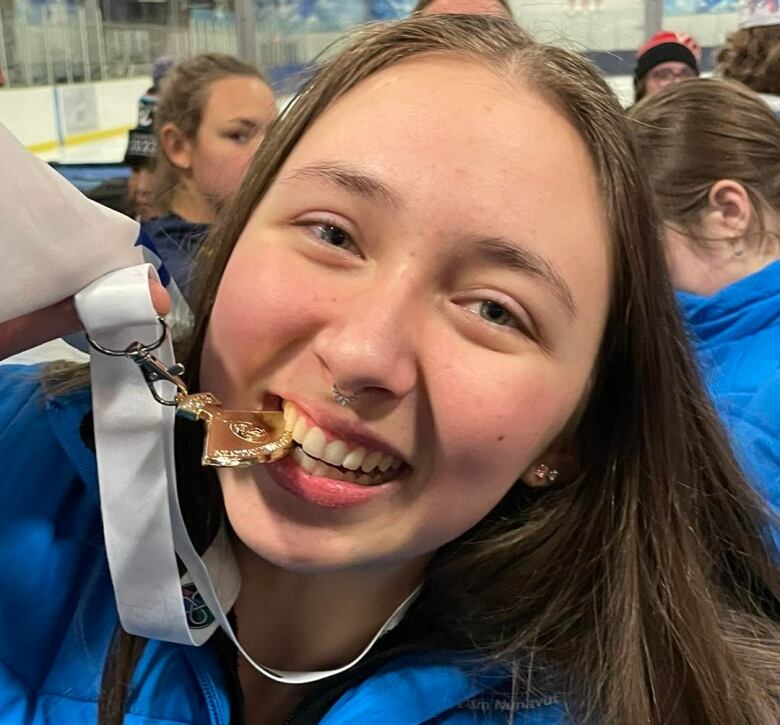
(736, 334)
(176, 241)
(57, 610)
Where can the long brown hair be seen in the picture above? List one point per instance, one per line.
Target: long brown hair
(640, 587)
(752, 56)
(184, 95)
(693, 134)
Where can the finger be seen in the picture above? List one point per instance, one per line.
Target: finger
(160, 297)
(35, 328)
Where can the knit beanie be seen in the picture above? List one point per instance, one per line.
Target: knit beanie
(664, 47)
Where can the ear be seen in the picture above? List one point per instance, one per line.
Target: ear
(729, 214)
(176, 146)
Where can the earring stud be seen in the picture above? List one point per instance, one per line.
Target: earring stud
(544, 473)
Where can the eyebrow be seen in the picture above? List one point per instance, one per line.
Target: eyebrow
(244, 121)
(502, 252)
(351, 179)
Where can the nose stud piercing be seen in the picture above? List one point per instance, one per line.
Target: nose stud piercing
(544, 473)
(342, 398)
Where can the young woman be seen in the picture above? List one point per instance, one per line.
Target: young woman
(209, 121)
(713, 153)
(443, 265)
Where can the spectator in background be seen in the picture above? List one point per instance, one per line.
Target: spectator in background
(752, 54)
(141, 157)
(666, 58)
(475, 7)
(209, 120)
(141, 154)
(713, 153)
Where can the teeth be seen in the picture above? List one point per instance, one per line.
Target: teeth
(314, 442)
(299, 430)
(306, 463)
(335, 452)
(320, 469)
(290, 416)
(353, 459)
(370, 461)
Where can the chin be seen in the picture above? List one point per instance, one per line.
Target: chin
(295, 546)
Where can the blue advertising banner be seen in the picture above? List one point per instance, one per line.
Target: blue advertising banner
(332, 15)
(699, 7)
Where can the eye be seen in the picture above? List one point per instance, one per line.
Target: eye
(240, 137)
(495, 313)
(334, 236)
(498, 315)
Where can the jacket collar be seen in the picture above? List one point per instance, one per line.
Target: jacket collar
(737, 311)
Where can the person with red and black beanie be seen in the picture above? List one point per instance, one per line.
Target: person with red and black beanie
(666, 58)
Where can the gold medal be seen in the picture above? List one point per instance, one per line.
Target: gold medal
(234, 438)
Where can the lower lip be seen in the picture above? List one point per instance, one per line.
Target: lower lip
(325, 492)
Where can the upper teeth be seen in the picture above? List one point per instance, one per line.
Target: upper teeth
(335, 452)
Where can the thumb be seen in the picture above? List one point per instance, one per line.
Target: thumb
(58, 320)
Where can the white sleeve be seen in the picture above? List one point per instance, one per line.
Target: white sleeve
(53, 240)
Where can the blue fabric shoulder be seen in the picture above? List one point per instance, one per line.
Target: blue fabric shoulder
(57, 604)
(49, 536)
(414, 689)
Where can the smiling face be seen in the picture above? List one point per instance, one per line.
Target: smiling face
(435, 244)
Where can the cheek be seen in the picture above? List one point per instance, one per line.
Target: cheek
(219, 167)
(258, 315)
(492, 428)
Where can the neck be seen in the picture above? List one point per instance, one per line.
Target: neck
(190, 204)
(296, 621)
(705, 270)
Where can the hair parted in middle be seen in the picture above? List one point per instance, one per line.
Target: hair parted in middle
(640, 586)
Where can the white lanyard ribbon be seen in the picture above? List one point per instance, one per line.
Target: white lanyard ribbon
(142, 521)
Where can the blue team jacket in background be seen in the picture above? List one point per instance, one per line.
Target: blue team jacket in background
(57, 609)
(736, 335)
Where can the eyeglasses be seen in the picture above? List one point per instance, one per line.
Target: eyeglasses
(667, 75)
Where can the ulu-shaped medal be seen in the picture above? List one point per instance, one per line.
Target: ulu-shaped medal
(236, 437)
(233, 437)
